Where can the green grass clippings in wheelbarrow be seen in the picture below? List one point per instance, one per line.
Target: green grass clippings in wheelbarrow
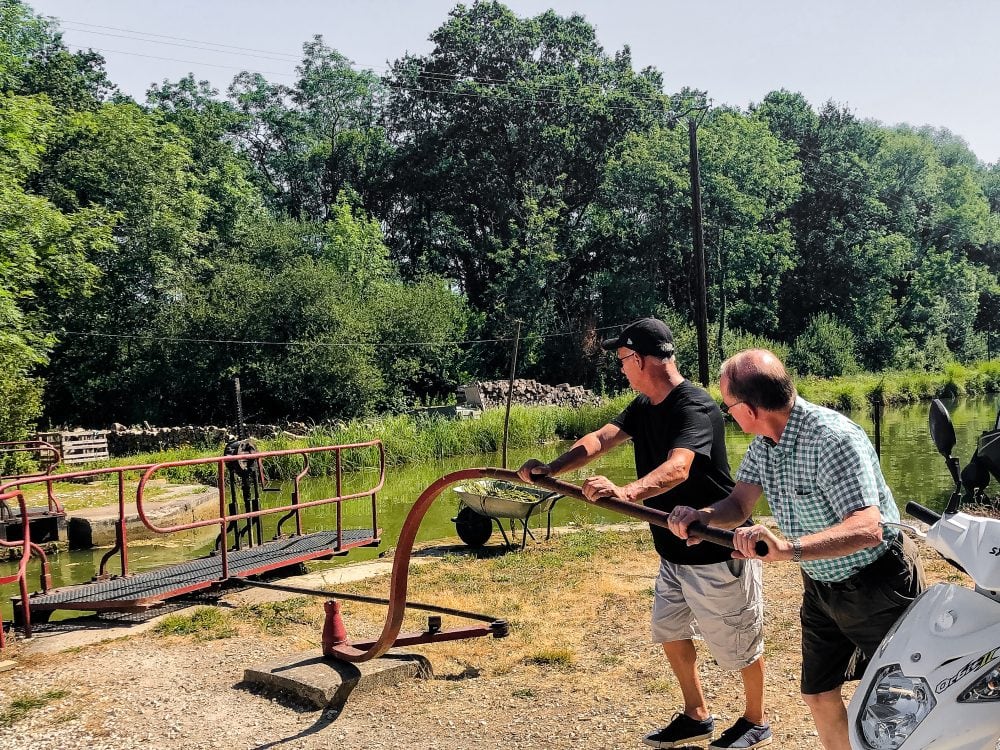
(486, 502)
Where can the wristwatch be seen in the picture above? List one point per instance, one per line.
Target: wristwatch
(796, 550)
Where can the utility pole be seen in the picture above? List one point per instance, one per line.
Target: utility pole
(510, 392)
(698, 234)
(694, 113)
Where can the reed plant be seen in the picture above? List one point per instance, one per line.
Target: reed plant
(857, 391)
(411, 439)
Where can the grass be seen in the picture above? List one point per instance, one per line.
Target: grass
(25, 703)
(552, 657)
(96, 494)
(276, 618)
(859, 391)
(211, 623)
(205, 624)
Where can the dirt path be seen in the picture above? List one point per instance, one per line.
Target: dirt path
(576, 671)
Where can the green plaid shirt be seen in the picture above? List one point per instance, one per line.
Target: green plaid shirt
(821, 470)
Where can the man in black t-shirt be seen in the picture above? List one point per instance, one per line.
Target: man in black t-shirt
(701, 591)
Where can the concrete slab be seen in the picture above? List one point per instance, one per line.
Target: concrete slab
(7, 665)
(90, 527)
(327, 682)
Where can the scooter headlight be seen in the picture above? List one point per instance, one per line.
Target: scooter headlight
(985, 689)
(894, 707)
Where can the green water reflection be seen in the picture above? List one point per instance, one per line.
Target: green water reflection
(911, 465)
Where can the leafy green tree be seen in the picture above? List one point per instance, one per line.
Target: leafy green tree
(46, 262)
(751, 178)
(34, 60)
(311, 141)
(224, 176)
(131, 163)
(416, 327)
(503, 132)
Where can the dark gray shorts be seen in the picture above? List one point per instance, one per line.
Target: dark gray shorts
(844, 622)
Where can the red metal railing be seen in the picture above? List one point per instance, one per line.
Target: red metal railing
(224, 518)
(21, 576)
(37, 447)
(51, 479)
(13, 488)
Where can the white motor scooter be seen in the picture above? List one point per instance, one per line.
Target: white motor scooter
(934, 682)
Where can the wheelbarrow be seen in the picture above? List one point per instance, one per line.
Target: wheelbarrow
(483, 504)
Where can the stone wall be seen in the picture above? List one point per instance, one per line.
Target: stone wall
(493, 394)
(127, 441)
(145, 438)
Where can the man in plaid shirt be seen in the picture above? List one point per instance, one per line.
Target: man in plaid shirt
(824, 486)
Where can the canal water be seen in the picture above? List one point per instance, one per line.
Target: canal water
(912, 467)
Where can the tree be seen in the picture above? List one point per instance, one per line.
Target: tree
(824, 348)
(503, 132)
(47, 259)
(312, 141)
(34, 60)
(133, 164)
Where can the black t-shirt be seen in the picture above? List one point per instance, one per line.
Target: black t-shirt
(686, 418)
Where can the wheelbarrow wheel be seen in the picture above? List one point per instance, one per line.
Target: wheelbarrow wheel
(473, 528)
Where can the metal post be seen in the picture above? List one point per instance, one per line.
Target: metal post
(510, 392)
(877, 412)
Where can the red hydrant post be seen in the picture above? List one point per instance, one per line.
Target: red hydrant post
(334, 631)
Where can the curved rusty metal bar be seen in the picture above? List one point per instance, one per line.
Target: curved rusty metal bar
(21, 576)
(407, 536)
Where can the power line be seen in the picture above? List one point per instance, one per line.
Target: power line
(193, 62)
(462, 94)
(313, 343)
(422, 74)
(817, 166)
(178, 38)
(289, 58)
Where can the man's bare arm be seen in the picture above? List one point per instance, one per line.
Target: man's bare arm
(735, 508)
(860, 530)
(727, 513)
(582, 452)
(666, 476)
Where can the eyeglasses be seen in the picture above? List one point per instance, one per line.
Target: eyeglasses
(622, 360)
(727, 408)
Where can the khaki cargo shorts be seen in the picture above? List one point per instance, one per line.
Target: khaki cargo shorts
(721, 603)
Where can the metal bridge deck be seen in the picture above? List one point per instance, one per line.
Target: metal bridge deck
(153, 587)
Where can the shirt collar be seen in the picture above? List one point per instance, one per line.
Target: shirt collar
(792, 428)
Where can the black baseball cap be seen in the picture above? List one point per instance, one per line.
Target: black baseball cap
(646, 336)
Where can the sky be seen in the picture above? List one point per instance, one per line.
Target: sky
(923, 62)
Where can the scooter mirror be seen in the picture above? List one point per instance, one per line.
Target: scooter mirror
(942, 430)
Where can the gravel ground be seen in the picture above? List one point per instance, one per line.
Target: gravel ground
(576, 669)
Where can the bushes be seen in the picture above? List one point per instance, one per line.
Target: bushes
(825, 348)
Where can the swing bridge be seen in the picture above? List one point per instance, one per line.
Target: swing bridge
(242, 554)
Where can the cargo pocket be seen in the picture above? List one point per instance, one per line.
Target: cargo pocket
(746, 626)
